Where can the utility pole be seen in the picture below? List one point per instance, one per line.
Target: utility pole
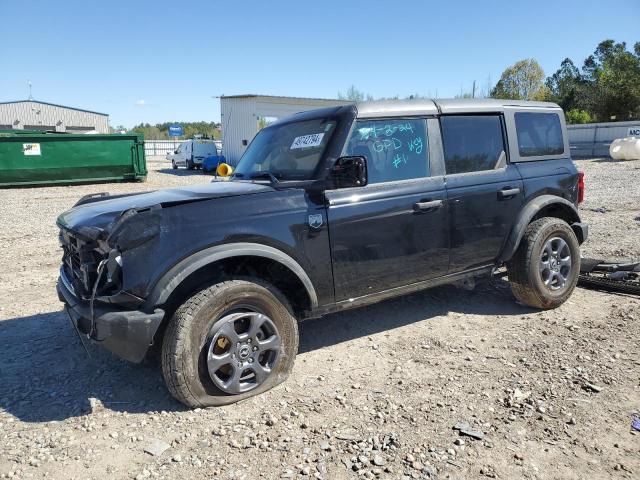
(473, 92)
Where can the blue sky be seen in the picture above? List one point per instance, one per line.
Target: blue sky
(154, 61)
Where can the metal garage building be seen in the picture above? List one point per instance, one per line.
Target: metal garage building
(35, 115)
(243, 115)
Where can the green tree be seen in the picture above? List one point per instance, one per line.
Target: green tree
(160, 131)
(577, 115)
(521, 81)
(567, 87)
(613, 74)
(607, 88)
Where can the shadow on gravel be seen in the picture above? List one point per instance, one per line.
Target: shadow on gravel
(490, 298)
(46, 375)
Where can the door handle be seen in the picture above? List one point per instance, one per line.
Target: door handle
(426, 206)
(506, 193)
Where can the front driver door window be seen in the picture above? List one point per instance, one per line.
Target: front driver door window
(394, 231)
(394, 149)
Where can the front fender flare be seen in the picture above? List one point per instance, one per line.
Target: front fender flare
(525, 216)
(179, 272)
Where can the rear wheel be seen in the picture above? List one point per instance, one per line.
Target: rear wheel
(228, 342)
(545, 268)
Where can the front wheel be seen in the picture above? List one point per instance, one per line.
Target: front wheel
(173, 165)
(230, 341)
(545, 268)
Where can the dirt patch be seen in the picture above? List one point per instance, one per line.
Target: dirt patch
(376, 392)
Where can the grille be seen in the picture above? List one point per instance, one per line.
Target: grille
(80, 261)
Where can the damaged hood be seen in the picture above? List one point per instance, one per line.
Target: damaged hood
(100, 213)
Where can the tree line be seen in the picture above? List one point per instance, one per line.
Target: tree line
(606, 88)
(160, 131)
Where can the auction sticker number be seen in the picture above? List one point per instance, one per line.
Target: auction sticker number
(31, 149)
(307, 141)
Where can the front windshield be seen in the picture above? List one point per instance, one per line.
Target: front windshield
(288, 152)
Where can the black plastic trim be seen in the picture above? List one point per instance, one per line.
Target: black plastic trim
(524, 218)
(581, 230)
(127, 333)
(484, 270)
(179, 272)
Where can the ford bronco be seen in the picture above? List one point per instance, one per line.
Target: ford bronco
(327, 210)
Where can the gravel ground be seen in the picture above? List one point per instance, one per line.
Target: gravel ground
(440, 384)
(612, 208)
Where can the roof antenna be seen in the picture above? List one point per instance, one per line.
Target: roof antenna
(30, 96)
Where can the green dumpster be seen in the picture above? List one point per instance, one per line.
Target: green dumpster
(34, 157)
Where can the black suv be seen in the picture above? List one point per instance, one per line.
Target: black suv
(327, 210)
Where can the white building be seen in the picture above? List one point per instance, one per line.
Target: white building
(35, 115)
(243, 115)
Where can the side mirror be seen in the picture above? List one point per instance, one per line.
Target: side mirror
(175, 151)
(349, 172)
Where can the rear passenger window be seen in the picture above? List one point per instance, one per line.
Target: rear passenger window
(394, 149)
(539, 134)
(472, 143)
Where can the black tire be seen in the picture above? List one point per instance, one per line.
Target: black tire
(189, 335)
(190, 165)
(173, 165)
(525, 275)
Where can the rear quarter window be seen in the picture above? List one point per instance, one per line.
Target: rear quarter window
(539, 134)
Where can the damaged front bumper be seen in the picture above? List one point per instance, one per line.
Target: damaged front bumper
(127, 333)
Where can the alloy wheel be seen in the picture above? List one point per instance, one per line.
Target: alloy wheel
(243, 351)
(555, 263)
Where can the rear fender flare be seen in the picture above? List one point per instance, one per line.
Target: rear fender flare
(528, 212)
(183, 269)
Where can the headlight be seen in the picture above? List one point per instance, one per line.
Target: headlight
(133, 229)
(114, 268)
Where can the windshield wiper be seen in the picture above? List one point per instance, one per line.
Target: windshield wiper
(266, 175)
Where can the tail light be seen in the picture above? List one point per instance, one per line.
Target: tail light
(580, 187)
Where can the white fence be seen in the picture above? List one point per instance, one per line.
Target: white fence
(592, 140)
(160, 147)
